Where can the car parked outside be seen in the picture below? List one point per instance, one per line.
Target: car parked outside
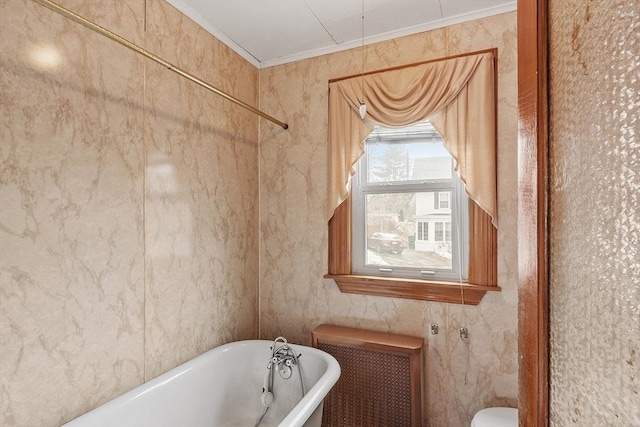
(385, 242)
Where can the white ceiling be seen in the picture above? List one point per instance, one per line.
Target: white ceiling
(272, 32)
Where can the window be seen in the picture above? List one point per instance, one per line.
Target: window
(428, 282)
(466, 84)
(443, 232)
(405, 188)
(422, 232)
(442, 200)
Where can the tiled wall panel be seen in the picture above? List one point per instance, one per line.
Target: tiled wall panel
(128, 205)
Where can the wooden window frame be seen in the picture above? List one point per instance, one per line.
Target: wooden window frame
(482, 274)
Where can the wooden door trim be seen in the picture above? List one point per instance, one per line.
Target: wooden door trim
(533, 281)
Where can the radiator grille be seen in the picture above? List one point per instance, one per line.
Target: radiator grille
(373, 389)
(380, 381)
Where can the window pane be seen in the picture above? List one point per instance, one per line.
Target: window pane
(406, 154)
(398, 232)
(404, 193)
(443, 200)
(423, 230)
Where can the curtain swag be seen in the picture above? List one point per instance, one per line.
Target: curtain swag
(457, 95)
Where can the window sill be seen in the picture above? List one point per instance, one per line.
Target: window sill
(453, 293)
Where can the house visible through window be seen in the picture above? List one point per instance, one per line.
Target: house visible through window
(409, 207)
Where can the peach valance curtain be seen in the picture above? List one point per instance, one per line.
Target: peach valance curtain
(456, 95)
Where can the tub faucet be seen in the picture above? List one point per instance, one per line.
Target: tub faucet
(283, 358)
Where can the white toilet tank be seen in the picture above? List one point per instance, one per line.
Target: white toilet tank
(496, 417)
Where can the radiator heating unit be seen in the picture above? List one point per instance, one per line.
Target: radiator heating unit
(381, 379)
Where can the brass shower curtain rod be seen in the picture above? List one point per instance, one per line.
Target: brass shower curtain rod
(126, 43)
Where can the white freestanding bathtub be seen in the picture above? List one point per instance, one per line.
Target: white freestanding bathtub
(223, 387)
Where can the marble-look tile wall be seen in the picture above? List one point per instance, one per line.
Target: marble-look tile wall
(594, 213)
(461, 377)
(128, 204)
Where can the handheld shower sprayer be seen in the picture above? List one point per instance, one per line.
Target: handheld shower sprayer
(267, 397)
